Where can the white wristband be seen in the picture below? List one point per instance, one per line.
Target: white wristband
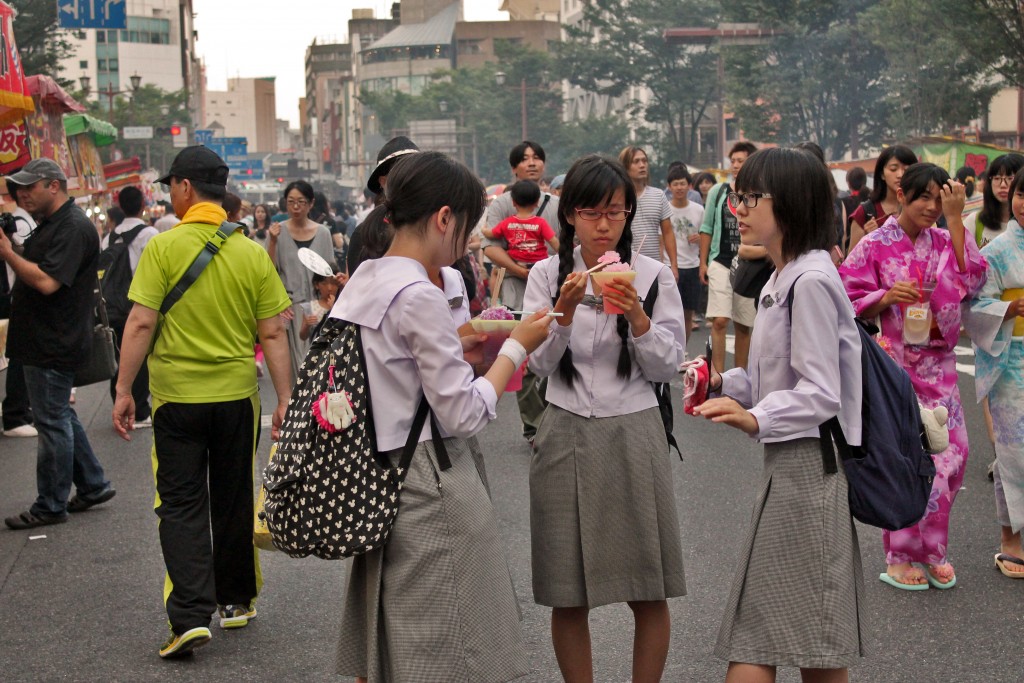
(514, 351)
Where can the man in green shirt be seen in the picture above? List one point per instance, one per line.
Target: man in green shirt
(206, 408)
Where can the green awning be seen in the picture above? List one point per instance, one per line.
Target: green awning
(103, 133)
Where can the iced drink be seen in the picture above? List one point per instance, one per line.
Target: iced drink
(917, 318)
(603, 279)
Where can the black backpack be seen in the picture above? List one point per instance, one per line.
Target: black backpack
(115, 274)
(662, 389)
(331, 494)
(889, 476)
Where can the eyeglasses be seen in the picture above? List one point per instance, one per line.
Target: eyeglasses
(613, 215)
(1001, 179)
(297, 202)
(749, 199)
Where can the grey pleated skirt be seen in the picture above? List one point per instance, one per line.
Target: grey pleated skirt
(437, 602)
(603, 520)
(795, 599)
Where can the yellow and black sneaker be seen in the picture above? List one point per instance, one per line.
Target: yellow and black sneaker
(179, 646)
(235, 616)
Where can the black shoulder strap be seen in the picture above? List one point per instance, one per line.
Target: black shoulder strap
(831, 429)
(126, 237)
(661, 389)
(414, 436)
(198, 265)
(543, 205)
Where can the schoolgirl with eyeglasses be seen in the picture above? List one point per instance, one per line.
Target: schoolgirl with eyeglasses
(603, 520)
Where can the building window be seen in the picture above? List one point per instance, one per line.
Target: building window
(101, 64)
(469, 47)
(84, 64)
(148, 31)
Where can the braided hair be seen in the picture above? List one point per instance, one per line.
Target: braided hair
(590, 183)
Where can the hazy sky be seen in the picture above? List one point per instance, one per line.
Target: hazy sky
(254, 38)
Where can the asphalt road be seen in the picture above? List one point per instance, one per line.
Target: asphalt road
(82, 602)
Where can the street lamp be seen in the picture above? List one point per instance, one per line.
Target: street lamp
(110, 93)
(501, 78)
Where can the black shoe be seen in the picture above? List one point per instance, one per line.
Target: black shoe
(79, 503)
(27, 520)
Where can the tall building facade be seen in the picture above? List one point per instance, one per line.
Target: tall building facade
(158, 44)
(247, 109)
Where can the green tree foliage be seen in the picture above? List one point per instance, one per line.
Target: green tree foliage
(990, 30)
(148, 106)
(933, 82)
(41, 44)
(821, 78)
(487, 114)
(631, 54)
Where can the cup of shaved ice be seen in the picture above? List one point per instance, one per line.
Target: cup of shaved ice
(603, 279)
(497, 323)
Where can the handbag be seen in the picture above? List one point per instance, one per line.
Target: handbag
(748, 278)
(101, 364)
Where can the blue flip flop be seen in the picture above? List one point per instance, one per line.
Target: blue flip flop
(885, 578)
(935, 583)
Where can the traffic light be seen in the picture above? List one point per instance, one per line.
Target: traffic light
(280, 181)
(175, 130)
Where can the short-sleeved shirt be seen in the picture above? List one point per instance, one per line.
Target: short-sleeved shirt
(651, 209)
(53, 331)
(686, 221)
(729, 237)
(204, 351)
(526, 237)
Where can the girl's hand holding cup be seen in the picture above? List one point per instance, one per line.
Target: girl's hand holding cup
(274, 231)
(532, 331)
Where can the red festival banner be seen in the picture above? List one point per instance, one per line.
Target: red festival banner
(15, 101)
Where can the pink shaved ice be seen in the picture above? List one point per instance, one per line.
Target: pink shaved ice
(609, 257)
(617, 268)
(497, 313)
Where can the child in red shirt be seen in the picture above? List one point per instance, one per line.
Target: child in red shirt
(525, 232)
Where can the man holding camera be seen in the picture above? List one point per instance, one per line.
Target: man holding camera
(50, 332)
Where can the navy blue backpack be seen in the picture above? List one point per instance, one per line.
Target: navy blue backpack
(890, 475)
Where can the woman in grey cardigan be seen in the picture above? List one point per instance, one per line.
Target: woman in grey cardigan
(795, 599)
(283, 245)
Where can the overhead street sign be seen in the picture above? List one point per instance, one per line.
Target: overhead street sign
(137, 133)
(92, 14)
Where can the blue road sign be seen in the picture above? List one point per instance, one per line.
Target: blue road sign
(204, 136)
(92, 14)
(243, 170)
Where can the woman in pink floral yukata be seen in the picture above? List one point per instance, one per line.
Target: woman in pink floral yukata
(890, 274)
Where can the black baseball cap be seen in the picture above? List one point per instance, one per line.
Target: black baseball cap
(200, 164)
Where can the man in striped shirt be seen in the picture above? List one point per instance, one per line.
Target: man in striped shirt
(652, 215)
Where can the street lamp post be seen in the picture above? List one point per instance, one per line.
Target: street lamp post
(500, 79)
(110, 93)
(461, 130)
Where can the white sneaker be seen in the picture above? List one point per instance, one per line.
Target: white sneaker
(144, 424)
(24, 431)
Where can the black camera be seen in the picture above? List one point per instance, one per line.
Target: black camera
(8, 224)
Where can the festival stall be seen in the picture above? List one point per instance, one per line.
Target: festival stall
(15, 102)
(39, 134)
(85, 136)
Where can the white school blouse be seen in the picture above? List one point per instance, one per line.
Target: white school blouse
(595, 344)
(798, 379)
(412, 349)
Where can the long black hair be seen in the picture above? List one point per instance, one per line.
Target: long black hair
(902, 154)
(590, 183)
(991, 209)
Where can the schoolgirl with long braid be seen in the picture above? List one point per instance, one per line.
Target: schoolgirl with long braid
(603, 517)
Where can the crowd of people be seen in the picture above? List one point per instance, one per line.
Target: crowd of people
(227, 293)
